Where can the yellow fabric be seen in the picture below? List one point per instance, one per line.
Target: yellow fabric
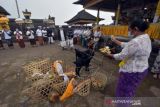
(68, 92)
(122, 63)
(158, 9)
(115, 30)
(153, 31)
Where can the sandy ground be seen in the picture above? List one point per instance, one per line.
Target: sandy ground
(12, 77)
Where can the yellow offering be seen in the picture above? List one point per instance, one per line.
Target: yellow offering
(105, 50)
(4, 20)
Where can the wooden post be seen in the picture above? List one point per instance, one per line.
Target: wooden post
(157, 14)
(17, 8)
(90, 3)
(98, 16)
(118, 14)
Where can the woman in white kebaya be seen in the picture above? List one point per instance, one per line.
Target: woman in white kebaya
(134, 56)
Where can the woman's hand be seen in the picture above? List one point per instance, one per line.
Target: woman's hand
(109, 55)
(113, 38)
(116, 41)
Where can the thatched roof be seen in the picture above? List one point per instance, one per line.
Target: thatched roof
(111, 5)
(81, 2)
(3, 11)
(82, 17)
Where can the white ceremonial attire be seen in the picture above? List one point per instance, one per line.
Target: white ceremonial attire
(136, 53)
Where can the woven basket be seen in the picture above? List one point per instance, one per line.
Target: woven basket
(69, 68)
(33, 96)
(98, 80)
(42, 66)
(42, 88)
(55, 80)
(36, 78)
(83, 89)
(44, 80)
(39, 91)
(60, 87)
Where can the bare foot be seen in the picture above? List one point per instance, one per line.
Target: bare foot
(156, 76)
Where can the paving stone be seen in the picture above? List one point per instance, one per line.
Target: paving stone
(155, 91)
(4, 105)
(4, 63)
(7, 98)
(23, 101)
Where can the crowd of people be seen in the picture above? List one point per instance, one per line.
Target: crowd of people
(44, 36)
(88, 38)
(85, 36)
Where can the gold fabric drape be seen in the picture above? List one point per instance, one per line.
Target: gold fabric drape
(153, 30)
(115, 30)
(158, 9)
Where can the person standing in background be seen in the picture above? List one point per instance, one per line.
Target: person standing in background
(44, 33)
(49, 34)
(156, 67)
(53, 36)
(70, 38)
(78, 36)
(97, 35)
(8, 37)
(1, 43)
(19, 38)
(75, 37)
(31, 37)
(40, 35)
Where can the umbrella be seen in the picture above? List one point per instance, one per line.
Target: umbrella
(19, 21)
